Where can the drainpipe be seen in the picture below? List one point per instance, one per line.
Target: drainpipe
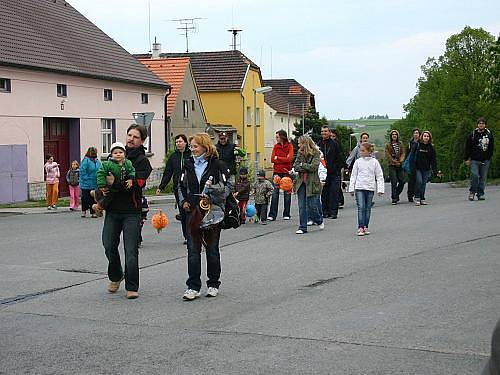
(167, 122)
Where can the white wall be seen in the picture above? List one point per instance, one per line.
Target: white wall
(33, 96)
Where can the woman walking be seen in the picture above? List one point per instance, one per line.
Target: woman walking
(366, 178)
(412, 145)
(203, 175)
(52, 175)
(307, 184)
(395, 155)
(424, 165)
(88, 179)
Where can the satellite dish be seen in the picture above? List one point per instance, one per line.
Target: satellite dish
(143, 118)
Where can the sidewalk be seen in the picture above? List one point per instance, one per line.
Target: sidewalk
(152, 199)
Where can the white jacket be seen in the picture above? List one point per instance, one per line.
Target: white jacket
(366, 173)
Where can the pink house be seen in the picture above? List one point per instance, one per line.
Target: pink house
(64, 86)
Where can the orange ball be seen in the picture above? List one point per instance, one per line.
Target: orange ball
(286, 184)
(159, 221)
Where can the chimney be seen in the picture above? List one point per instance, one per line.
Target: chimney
(156, 50)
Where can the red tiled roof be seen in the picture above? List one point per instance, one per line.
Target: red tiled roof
(292, 91)
(216, 71)
(53, 36)
(173, 71)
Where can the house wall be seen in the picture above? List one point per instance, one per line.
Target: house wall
(195, 122)
(33, 96)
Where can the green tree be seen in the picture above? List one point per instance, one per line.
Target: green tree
(492, 89)
(449, 99)
(312, 125)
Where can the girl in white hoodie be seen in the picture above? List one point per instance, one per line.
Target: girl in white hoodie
(366, 177)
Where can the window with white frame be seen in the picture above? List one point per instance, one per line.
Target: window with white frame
(108, 95)
(257, 116)
(108, 134)
(185, 109)
(62, 90)
(249, 116)
(5, 85)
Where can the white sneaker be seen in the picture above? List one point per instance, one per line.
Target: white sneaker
(322, 226)
(361, 232)
(299, 231)
(286, 217)
(270, 218)
(190, 295)
(212, 292)
(310, 222)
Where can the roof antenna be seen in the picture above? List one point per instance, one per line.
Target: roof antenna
(235, 32)
(149, 26)
(187, 25)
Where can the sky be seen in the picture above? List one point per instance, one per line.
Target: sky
(358, 57)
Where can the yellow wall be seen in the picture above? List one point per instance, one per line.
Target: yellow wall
(229, 108)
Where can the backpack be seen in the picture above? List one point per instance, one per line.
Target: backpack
(231, 213)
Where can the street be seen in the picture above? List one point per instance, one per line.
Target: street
(417, 296)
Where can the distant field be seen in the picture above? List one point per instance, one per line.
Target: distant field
(376, 128)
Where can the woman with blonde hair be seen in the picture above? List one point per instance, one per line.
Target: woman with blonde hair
(203, 176)
(307, 184)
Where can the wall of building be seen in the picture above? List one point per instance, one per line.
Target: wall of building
(33, 96)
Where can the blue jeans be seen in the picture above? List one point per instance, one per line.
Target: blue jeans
(478, 174)
(287, 200)
(114, 225)
(421, 178)
(364, 199)
(211, 238)
(309, 208)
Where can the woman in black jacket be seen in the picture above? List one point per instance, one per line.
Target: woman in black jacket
(203, 174)
(424, 165)
(173, 169)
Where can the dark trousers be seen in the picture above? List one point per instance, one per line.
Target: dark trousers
(211, 238)
(261, 211)
(287, 200)
(397, 177)
(182, 214)
(87, 200)
(330, 195)
(114, 225)
(411, 185)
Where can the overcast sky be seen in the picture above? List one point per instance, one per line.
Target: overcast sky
(357, 57)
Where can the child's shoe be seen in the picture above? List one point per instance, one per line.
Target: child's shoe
(361, 232)
(366, 231)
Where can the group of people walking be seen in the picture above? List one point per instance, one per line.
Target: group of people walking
(200, 170)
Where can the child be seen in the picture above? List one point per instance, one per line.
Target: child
(242, 193)
(72, 178)
(123, 172)
(366, 173)
(263, 190)
(52, 182)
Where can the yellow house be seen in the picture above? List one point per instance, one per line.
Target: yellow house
(226, 81)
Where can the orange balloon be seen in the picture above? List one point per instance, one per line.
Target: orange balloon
(286, 184)
(159, 221)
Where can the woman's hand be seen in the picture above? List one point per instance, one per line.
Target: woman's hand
(186, 206)
(110, 179)
(158, 191)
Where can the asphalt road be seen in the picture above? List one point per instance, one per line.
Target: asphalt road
(417, 296)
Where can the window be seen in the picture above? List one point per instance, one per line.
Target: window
(108, 134)
(108, 95)
(144, 98)
(192, 105)
(257, 116)
(185, 108)
(62, 90)
(249, 116)
(4, 85)
(281, 120)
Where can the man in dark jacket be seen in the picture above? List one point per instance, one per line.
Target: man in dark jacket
(226, 150)
(124, 215)
(334, 163)
(478, 152)
(335, 137)
(173, 169)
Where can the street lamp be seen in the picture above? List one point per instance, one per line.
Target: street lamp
(259, 90)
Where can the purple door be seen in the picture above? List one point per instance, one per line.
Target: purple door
(13, 173)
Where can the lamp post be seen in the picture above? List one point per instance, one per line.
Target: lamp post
(259, 90)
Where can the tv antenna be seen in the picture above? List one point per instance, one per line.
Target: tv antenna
(187, 25)
(235, 32)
